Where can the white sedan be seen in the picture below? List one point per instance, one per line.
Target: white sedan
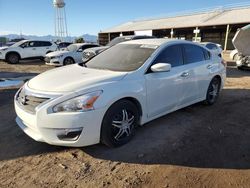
(70, 55)
(127, 85)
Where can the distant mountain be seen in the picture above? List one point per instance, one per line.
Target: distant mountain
(87, 37)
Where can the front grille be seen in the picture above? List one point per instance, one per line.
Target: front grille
(29, 102)
(88, 55)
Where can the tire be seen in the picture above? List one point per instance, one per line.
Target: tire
(13, 58)
(213, 91)
(119, 122)
(68, 61)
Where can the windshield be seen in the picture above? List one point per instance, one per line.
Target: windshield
(18, 43)
(118, 40)
(72, 47)
(122, 57)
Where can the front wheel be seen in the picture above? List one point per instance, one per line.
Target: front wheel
(68, 61)
(13, 58)
(118, 126)
(213, 91)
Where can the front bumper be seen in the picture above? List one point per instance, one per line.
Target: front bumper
(43, 126)
(2, 56)
(54, 61)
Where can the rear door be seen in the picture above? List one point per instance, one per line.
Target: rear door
(42, 48)
(196, 73)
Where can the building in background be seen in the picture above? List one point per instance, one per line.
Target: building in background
(214, 25)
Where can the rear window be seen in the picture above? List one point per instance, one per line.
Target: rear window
(193, 53)
(211, 46)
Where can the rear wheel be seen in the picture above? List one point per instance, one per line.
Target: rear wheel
(118, 126)
(68, 61)
(13, 58)
(213, 91)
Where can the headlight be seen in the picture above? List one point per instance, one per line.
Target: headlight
(79, 104)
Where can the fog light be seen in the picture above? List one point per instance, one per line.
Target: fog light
(69, 134)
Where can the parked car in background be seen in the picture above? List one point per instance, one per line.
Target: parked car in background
(241, 43)
(63, 45)
(71, 54)
(26, 49)
(234, 55)
(213, 47)
(91, 52)
(127, 85)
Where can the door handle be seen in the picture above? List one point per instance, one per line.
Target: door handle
(33, 48)
(209, 66)
(185, 74)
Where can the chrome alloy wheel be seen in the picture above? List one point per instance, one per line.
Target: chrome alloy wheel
(214, 91)
(123, 123)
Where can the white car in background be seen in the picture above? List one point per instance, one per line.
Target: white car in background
(213, 47)
(241, 42)
(72, 54)
(26, 49)
(126, 85)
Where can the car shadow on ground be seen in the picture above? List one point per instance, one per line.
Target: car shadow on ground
(32, 62)
(197, 136)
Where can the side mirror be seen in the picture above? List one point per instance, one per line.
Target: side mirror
(161, 67)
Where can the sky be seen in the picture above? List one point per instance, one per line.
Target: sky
(36, 17)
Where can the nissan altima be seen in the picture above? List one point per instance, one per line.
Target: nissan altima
(127, 85)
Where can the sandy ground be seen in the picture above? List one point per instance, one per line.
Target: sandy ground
(198, 146)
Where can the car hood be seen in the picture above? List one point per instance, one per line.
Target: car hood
(72, 78)
(241, 40)
(57, 53)
(4, 48)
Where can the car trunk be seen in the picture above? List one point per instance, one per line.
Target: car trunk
(241, 40)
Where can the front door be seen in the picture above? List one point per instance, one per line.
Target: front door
(164, 88)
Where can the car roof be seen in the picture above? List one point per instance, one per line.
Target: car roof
(81, 44)
(157, 42)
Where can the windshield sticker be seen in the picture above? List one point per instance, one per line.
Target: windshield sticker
(149, 46)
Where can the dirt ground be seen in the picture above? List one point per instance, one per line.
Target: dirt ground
(199, 146)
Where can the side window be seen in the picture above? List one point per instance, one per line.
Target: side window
(37, 44)
(193, 53)
(47, 43)
(31, 44)
(207, 54)
(171, 55)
